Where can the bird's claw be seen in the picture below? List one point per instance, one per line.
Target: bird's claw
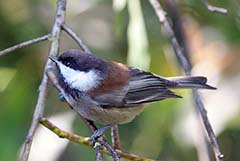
(96, 144)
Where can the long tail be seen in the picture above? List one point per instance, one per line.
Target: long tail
(189, 82)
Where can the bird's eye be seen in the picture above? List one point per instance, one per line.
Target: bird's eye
(68, 63)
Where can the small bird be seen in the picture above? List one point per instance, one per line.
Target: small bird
(112, 93)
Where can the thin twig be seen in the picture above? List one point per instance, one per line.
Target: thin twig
(50, 72)
(174, 14)
(99, 156)
(56, 30)
(187, 67)
(37, 114)
(115, 137)
(214, 8)
(112, 151)
(23, 44)
(86, 141)
(218, 154)
(70, 32)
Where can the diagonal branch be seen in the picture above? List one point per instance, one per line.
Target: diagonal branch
(56, 31)
(99, 156)
(174, 14)
(23, 44)
(86, 141)
(187, 67)
(70, 32)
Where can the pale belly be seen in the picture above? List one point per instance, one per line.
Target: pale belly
(106, 116)
(113, 116)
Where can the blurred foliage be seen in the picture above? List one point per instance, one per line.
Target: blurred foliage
(105, 29)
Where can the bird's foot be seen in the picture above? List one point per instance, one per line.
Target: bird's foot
(61, 97)
(99, 141)
(97, 134)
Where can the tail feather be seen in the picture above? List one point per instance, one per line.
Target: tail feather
(190, 82)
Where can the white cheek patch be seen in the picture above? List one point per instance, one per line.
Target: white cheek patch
(82, 81)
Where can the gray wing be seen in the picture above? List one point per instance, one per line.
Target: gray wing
(111, 99)
(145, 87)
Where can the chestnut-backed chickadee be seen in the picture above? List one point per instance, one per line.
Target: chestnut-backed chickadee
(112, 93)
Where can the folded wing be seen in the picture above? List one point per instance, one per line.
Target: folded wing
(142, 87)
(145, 87)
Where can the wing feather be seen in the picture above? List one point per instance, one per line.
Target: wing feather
(146, 87)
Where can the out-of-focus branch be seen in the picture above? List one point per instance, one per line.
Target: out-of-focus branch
(86, 141)
(56, 31)
(187, 67)
(214, 8)
(70, 32)
(23, 44)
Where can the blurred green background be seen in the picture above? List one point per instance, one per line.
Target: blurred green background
(128, 32)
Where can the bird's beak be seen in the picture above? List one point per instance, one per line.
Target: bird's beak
(54, 58)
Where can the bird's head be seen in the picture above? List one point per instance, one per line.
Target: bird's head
(80, 70)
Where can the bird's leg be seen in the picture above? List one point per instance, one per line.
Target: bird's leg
(61, 97)
(115, 137)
